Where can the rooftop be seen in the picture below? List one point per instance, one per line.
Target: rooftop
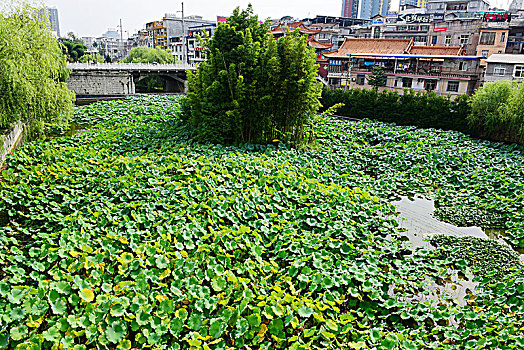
(281, 28)
(505, 58)
(371, 46)
(437, 50)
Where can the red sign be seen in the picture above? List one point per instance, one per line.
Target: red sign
(440, 29)
(497, 17)
(221, 19)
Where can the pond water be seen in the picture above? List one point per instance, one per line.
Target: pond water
(415, 217)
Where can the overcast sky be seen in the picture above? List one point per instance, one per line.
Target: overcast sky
(94, 17)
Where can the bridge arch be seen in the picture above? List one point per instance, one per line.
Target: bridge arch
(156, 82)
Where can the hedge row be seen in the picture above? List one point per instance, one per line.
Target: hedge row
(424, 110)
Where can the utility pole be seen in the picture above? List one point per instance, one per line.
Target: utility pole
(184, 57)
(122, 39)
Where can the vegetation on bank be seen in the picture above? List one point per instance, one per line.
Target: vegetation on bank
(252, 89)
(494, 112)
(149, 55)
(497, 110)
(33, 71)
(132, 235)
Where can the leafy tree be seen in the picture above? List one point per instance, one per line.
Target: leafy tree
(91, 57)
(487, 107)
(149, 55)
(33, 71)
(73, 49)
(251, 88)
(377, 77)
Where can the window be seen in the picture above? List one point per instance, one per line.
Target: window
(463, 65)
(518, 72)
(453, 86)
(485, 53)
(464, 38)
(361, 78)
(413, 28)
(487, 38)
(503, 37)
(430, 84)
(500, 70)
(407, 82)
(434, 40)
(424, 28)
(402, 27)
(447, 42)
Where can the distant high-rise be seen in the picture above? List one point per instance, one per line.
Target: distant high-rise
(516, 5)
(370, 8)
(53, 20)
(350, 8)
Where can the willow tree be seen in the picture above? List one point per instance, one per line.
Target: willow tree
(33, 70)
(252, 88)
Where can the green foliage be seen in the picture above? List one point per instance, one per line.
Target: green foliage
(149, 55)
(74, 49)
(424, 110)
(486, 258)
(252, 89)
(497, 111)
(91, 58)
(131, 235)
(377, 77)
(33, 71)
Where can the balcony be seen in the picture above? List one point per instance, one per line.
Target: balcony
(434, 71)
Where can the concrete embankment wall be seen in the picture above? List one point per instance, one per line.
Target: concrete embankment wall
(11, 140)
(98, 83)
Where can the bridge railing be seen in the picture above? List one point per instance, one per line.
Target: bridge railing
(129, 66)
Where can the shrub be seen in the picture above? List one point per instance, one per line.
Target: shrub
(424, 110)
(251, 88)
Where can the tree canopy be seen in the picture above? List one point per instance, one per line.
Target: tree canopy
(73, 48)
(377, 77)
(33, 71)
(149, 55)
(252, 88)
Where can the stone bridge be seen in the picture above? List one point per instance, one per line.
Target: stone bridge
(117, 79)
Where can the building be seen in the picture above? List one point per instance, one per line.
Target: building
(462, 32)
(492, 41)
(195, 52)
(349, 8)
(370, 8)
(281, 29)
(515, 43)
(458, 6)
(415, 3)
(516, 5)
(111, 34)
(169, 33)
(54, 23)
(504, 67)
(443, 70)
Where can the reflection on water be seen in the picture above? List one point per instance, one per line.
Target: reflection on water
(419, 224)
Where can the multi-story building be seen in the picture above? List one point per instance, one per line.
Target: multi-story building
(493, 40)
(171, 29)
(350, 8)
(51, 13)
(462, 32)
(414, 3)
(406, 26)
(458, 6)
(516, 37)
(444, 70)
(504, 67)
(371, 8)
(195, 53)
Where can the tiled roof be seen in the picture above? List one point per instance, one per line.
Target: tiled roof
(311, 41)
(281, 28)
(437, 50)
(371, 46)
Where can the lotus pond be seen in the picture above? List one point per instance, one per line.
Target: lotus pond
(132, 236)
